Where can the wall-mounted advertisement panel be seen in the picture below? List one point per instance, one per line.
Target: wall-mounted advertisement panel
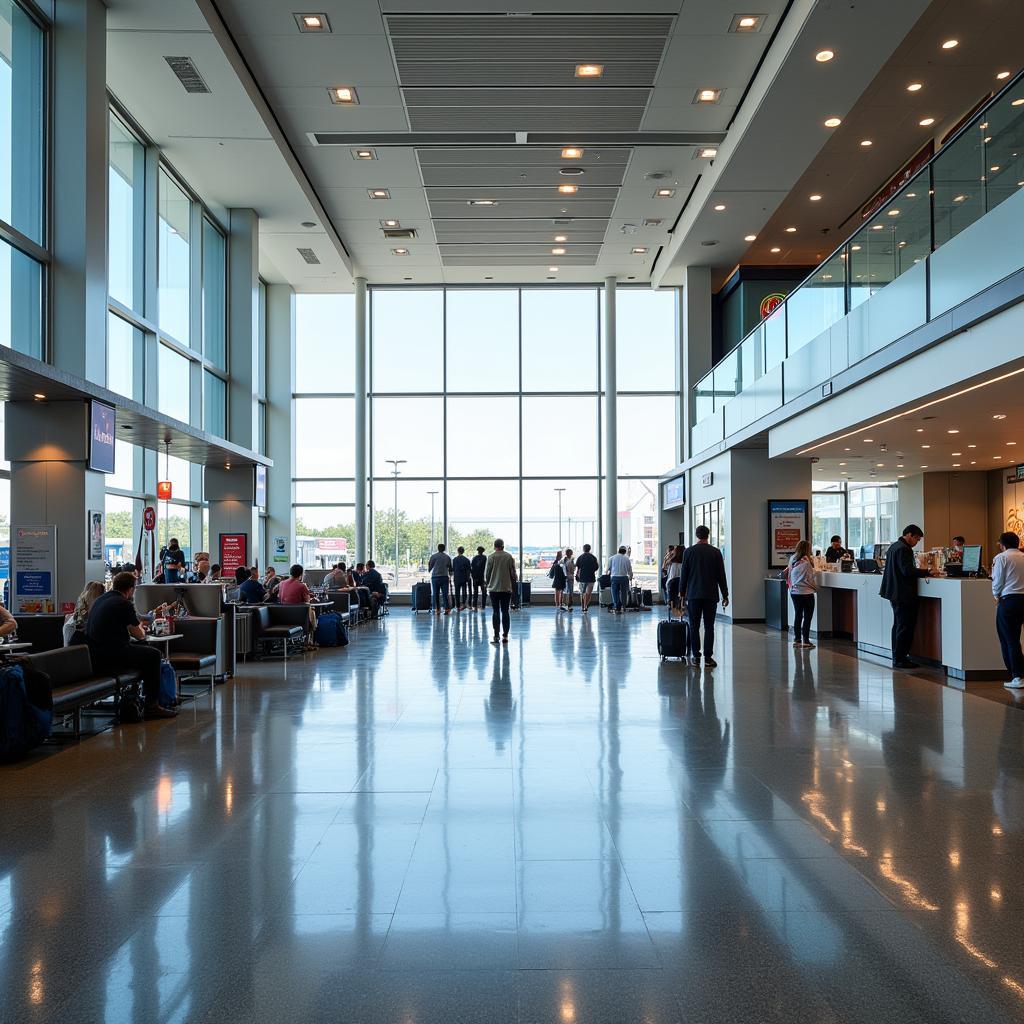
(787, 526)
(34, 569)
(673, 493)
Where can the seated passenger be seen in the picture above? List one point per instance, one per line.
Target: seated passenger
(75, 622)
(8, 623)
(374, 582)
(337, 578)
(110, 628)
(213, 575)
(252, 591)
(294, 591)
(271, 578)
(358, 573)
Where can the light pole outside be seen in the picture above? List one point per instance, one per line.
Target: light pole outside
(395, 463)
(560, 491)
(433, 494)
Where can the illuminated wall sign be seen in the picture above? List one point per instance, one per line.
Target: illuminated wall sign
(770, 303)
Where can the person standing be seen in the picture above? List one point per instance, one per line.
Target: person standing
(557, 576)
(701, 578)
(440, 566)
(477, 568)
(1008, 590)
(620, 568)
(173, 561)
(674, 569)
(462, 572)
(500, 580)
(569, 568)
(587, 567)
(802, 588)
(665, 563)
(899, 588)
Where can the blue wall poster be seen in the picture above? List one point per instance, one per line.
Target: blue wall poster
(34, 569)
(787, 526)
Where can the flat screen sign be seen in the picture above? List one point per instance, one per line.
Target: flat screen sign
(233, 552)
(787, 526)
(101, 436)
(674, 493)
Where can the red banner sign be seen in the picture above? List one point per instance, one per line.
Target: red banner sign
(233, 552)
(149, 518)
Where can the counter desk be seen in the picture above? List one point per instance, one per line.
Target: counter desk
(956, 626)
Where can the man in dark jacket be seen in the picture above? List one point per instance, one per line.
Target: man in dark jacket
(701, 577)
(477, 569)
(462, 570)
(899, 588)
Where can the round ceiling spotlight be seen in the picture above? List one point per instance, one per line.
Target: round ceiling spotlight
(309, 224)
(571, 170)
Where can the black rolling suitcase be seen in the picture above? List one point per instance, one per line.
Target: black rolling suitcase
(674, 639)
(421, 597)
(648, 598)
(524, 587)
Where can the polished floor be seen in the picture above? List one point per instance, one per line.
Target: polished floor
(423, 828)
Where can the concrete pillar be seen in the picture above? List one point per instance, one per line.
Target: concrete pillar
(48, 447)
(360, 387)
(230, 493)
(695, 354)
(611, 445)
(243, 327)
(280, 346)
(79, 221)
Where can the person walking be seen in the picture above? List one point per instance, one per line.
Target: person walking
(462, 572)
(500, 580)
(701, 578)
(620, 568)
(440, 566)
(665, 563)
(672, 582)
(477, 568)
(899, 588)
(569, 568)
(587, 567)
(557, 576)
(1008, 590)
(802, 587)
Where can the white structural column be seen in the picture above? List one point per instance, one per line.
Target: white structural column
(611, 446)
(359, 387)
(280, 385)
(695, 357)
(243, 327)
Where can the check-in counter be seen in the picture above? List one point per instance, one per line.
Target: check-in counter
(956, 626)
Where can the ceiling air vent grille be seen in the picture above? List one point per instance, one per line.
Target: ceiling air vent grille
(308, 255)
(187, 73)
(399, 232)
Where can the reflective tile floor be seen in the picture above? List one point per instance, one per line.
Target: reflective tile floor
(423, 828)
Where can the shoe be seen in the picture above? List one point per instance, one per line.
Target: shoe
(1015, 684)
(494, 642)
(695, 661)
(905, 663)
(711, 663)
(504, 639)
(156, 711)
(808, 645)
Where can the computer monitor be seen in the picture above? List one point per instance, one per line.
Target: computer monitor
(880, 551)
(972, 558)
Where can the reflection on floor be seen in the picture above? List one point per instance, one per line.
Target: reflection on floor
(423, 828)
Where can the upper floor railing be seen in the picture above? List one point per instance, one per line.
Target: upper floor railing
(978, 170)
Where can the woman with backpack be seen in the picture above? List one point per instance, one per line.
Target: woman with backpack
(802, 587)
(557, 576)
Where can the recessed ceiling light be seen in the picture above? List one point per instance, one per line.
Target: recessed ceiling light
(1002, 75)
(775, 248)
(552, 270)
(877, 227)
(638, 250)
(400, 252)
(378, 193)
(973, 463)
(364, 154)
(312, 23)
(390, 222)
(39, 396)
(866, 142)
(892, 213)
(814, 197)
(854, 248)
(750, 238)
(707, 153)
(561, 238)
(664, 193)
(926, 446)
(707, 96)
(959, 199)
(920, 430)
(589, 70)
(483, 202)
(1011, 443)
(957, 453)
(924, 467)
(956, 465)
(308, 224)
(999, 416)
(914, 87)
(950, 44)
(559, 251)
(997, 456)
(952, 431)
(868, 440)
(568, 190)
(994, 168)
(719, 207)
(833, 122)
(926, 121)
(572, 153)
(344, 94)
(823, 56)
(879, 465)
(790, 231)
(651, 222)
(1017, 102)
(746, 23)
(972, 446)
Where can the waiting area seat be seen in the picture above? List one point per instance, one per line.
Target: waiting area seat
(43, 632)
(74, 683)
(195, 654)
(281, 627)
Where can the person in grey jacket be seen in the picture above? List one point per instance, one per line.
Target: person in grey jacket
(440, 566)
(803, 585)
(500, 579)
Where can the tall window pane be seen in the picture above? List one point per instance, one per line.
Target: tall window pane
(324, 536)
(319, 424)
(408, 340)
(411, 429)
(123, 477)
(324, 343)
(173, 391)
(482, 344)
(638, 528)
(21, 302)
(556, 514)
(120, 529)
(125, 216)
(645, 339)
(560, 436)
(124, 354)
(474, 448)
(173, 240)
(481, 510)
(647, 434)
(215, 404)
(175, 521)
(416, 509)
(21, 121)
(560, 348)
(214, 296)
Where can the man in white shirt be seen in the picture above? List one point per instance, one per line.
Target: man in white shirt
(1008, 590)
(620, 568)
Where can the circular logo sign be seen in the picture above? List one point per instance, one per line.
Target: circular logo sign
(770, 303)
(149, 518)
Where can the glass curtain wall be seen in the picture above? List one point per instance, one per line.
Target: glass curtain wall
(484, 422)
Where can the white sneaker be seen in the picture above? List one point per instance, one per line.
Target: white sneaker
(1015, 684)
